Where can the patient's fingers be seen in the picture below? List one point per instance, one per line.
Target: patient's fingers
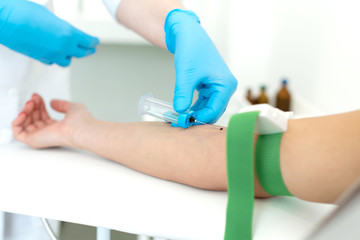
(40, 116)
(39, 123)
(29, 121)
(28, 109)
(17, 126)
(61, 106)
(37, 104)
(19, 120)
(30, 128)
(42, 109)
(44, 114)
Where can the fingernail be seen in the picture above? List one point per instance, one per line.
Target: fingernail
(27, 102)
(21, 113)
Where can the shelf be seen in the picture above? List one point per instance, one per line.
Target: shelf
(110, 32)
(92, 17)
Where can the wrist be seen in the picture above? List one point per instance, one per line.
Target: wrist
(175, 19)
(75, 135)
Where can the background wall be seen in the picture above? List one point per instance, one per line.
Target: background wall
(112, 81)
(313, 43)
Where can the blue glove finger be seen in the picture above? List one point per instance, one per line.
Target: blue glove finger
(184, 90)
(201, 102)
(197, 105)
(81, 52)
(45, 61)
(86, 41)
(182, 100)
(205, 92)
(63, 62)
(212, 108)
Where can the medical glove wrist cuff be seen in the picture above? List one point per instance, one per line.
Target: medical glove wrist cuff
(267, 161)
(112, 6)
(175, 18)
(4, 12)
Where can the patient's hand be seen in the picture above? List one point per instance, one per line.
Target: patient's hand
(34, 127)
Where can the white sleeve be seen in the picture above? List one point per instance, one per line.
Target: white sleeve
(112, 6)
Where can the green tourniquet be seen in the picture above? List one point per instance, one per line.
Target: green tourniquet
(267, 163)
(240, 174)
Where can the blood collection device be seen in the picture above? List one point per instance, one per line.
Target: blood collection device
(165, 111)
(270, 120)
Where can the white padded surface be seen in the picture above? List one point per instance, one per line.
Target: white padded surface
(77, 186)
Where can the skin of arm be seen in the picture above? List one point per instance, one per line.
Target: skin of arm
(320, 157)
(314, 150)
(147, 18)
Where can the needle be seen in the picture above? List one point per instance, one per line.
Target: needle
(193, 120)
(220, 128)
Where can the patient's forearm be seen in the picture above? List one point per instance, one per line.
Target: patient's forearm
(147, 17)
(320, 157)
(195, 156)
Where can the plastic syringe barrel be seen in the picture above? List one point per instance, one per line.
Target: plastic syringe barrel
(157, 108)
(164, 110)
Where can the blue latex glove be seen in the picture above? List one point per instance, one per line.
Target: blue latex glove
(198, 66)
(31, 29)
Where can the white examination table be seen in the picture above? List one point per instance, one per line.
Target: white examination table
(77, 186)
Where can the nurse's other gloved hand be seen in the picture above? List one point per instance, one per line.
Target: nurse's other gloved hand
(198, 66)
(31, 29)
(37, 129)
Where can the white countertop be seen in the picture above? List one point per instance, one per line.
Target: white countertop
(77, 186)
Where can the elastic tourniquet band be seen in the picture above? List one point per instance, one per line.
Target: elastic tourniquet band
(240, 172)
(268, 164)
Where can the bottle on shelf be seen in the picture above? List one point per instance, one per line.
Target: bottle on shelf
(263, 98)
(249, 96)
(283, 97)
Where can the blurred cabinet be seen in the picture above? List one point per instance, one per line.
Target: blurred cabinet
(92, 17)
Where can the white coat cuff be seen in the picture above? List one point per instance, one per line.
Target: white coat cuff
(112, 6)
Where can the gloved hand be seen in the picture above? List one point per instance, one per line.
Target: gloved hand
(199, 66)
(31, 29)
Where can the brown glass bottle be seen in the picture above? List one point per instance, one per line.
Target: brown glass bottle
(283, 98)
(263, 98)
(249, 96)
